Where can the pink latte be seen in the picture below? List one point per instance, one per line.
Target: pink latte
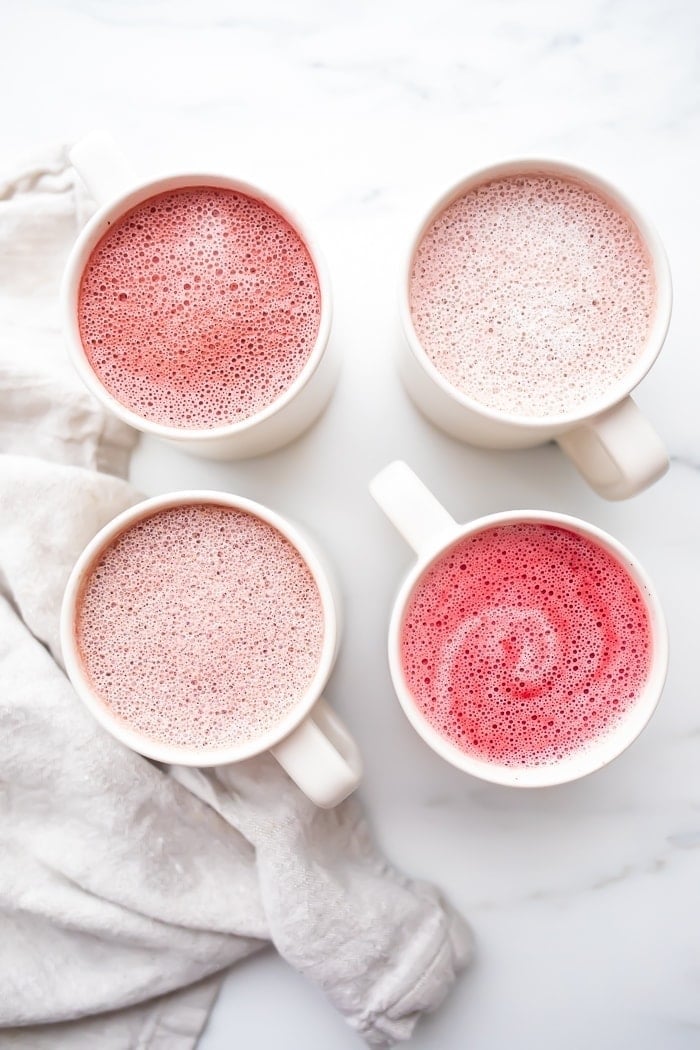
(200, 626)
(199, 308)
(532, 294)
(525, 643)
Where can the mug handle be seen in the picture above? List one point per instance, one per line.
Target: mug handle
(321, 757)
(618, 452)
(102, 166)
(411, 507)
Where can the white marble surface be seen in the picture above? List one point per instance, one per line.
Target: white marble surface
(583, 898)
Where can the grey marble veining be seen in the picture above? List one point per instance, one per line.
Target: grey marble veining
(359, 115)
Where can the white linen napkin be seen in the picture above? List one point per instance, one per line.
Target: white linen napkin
(125, 887)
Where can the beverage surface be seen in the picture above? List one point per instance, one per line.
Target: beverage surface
(200, 626)
(199, 308)
(532, 294)
(525, 643)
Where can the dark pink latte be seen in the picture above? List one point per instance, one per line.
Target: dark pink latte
(525, 643)
(199, 308)
(532, 294)
(200, 627)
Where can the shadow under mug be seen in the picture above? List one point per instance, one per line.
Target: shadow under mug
(311, 743)
(430, 531)
(610, 442)
(116, 189)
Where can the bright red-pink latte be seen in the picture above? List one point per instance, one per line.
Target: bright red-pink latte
(525, 643)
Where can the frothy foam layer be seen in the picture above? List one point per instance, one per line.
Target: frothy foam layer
(532, 295)
(200, 627)
(199, 308)
(525, 643)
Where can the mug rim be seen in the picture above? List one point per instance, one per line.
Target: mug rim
(132, 738)
(660, 266)
(96, 228)
(599, 753)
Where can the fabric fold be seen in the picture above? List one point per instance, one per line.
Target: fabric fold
(126, 888)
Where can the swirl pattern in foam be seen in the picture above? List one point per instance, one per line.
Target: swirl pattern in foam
(525, 643)
(200, 626)
(199, 308)
(532, 294)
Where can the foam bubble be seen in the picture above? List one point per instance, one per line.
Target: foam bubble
(200, 626)
(199, 308)
(532, 294)
(524, 643)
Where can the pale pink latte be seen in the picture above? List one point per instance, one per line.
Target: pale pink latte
(200, 626)
(532, 294)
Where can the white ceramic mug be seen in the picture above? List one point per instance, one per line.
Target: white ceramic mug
(110, 181)
(611, 443)
(311, 743)
(430, 530)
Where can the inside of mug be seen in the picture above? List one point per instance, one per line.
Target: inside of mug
(200, 628)
(501, 644)
(508, 301)
(196, 306)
